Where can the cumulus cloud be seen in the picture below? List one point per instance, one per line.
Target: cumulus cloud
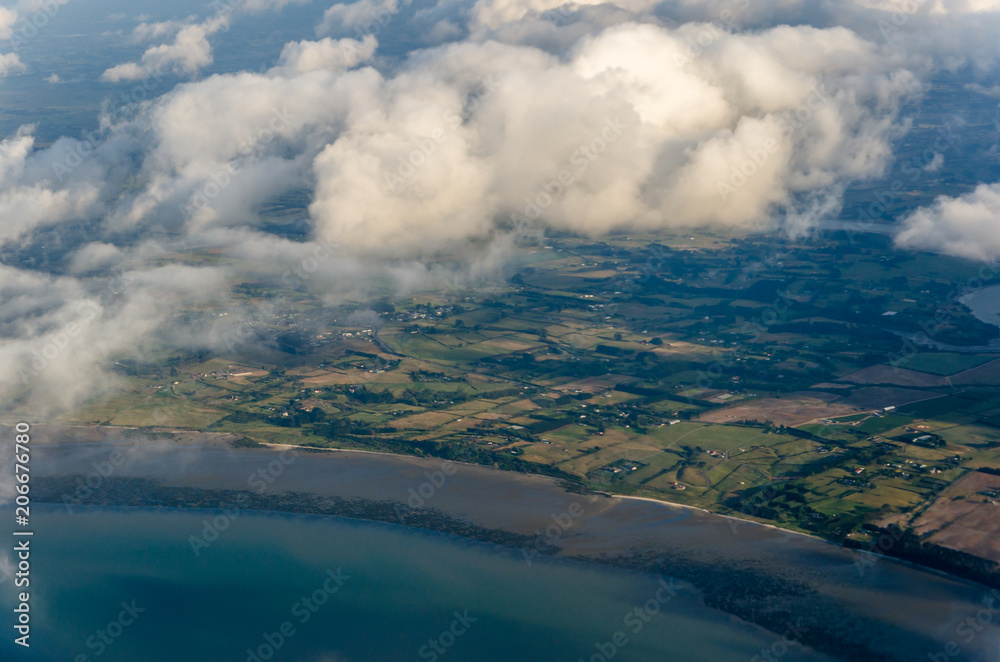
(8, 17)
(147, 31)
(934, 8)
(536, 114)
(29, 199)
(363, 16)
(631, 127)
(95, 256)
(59, 333)
(189, 52)
(10, 63)
(728, 137)
(992, 91)
(497, 13)
(258, 6)
(966, 226)
(326, 54)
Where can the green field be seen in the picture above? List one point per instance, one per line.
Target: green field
(588, 367)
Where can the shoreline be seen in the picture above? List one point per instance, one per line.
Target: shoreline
(754, 571)
(740, 520)
(662, 502)
(186, 437)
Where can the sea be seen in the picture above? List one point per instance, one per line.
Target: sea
(139, 584)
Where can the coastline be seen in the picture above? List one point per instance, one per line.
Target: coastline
(740, 520)
(757, 572)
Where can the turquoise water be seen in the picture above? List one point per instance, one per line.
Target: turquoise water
(403, 595)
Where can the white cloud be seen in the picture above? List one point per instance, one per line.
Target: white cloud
(327, 54)
(596, 118)
(95, 256)
(147, 31)
(186, 55)
(258, 6)
(966, 226)
(34, 194)
(690, 123)
(60, 332)
(461, 137)
(8, 17)
(932, 7)
(364, 17)
(497, 13)
(992, 91)
(10, 63)
(190, 51)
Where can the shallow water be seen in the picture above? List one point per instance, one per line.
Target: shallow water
(400, 589)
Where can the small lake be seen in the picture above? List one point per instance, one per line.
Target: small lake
(985, 304)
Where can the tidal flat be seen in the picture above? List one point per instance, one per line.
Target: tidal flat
(846, 604)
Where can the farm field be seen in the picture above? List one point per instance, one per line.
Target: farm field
(677, 383)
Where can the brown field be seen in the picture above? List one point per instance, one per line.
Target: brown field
(339, 377)
(791, 411)
(961, 518)
(884, 374)
(519, 405)
(679, 347)
(424, 421)
(596, 384)
(988, 373)
(878, 397)
(509, 344)
(488, 416)
(596, 273)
